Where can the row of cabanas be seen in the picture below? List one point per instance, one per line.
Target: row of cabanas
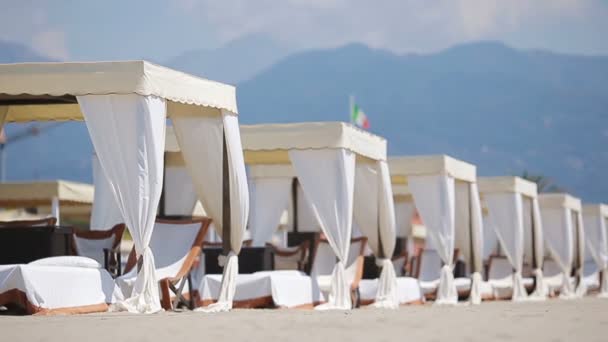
(343, 173)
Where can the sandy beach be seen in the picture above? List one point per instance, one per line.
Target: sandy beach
(553, 320)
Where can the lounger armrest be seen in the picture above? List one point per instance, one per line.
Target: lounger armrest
(358, 272)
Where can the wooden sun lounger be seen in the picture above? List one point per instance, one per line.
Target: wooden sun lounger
(112, 258)
(176, 283)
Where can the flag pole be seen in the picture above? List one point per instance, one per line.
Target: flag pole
(351, 106)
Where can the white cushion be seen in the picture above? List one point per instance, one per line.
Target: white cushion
(67, 261)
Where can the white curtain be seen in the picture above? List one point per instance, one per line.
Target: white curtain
(374, 214)
(3, 114)
(128, 134)
(540, 291)
(180, 196)
(490, 240)
(505, 212)
(328, 178)
(269, 197)
(201, 141)
(581, 288)
(476, 250)
(434, 198)
(597, 244)
(404, 212)
(558, 233)
(104, 213)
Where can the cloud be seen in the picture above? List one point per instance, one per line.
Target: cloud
(51, 43)
(574, 163)
(402, 26)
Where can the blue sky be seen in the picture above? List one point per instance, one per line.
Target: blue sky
(158, 30)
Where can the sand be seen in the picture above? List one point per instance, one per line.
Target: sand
(554, 320)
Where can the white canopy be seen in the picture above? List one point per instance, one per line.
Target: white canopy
(514, 215)
(322, 156)
(49, 194)
(564, 235)
(41, 193)
(125, 106)
(444, 191)
(46, 91)
(595, 218)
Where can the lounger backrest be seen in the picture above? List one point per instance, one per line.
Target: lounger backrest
(290, 258)
(172, 242)
(399, 264)
(551, 268)
(325, 259)
(50, 221)
(500, 268)
(357, 248)
(590, 268)
(91, 244)
(430, 265)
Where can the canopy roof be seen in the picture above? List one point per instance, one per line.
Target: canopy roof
(31, 194)
(269, 143)
(596, 209)
(558, 201)
(507, 184)
(47, 91)
(404, 166)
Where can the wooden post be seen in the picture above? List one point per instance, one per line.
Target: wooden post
(471, 242)
(534, 251)
(578, 262)
(226, 224)
(294, 201)
(161, 205)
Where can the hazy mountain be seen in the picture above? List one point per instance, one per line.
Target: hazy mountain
(13, 52)
(504, 109)
(237, 61)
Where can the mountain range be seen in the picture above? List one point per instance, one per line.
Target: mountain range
(503, 109)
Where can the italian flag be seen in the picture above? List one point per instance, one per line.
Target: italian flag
(358, 117)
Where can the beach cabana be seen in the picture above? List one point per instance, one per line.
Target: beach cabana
(55, 194)
(564, 237)
(330, 160)
(125, 106)
(444, 191)
(595, 217)
(514, 215)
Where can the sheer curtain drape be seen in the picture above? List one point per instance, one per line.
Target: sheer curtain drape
(434, 197)
(597, 243)
(204, 160)
(328, 178)
(128, 134)
(558, 234)
(374, 214)
(505, 211)
(269, 197)
(180, 195)
(104, 213)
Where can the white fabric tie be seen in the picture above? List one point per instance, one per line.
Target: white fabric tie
(446, 292)
(566, 291)
(581, 289)
(540, 292)
(147, 298)
(475, 295)
(339, 296)
(604, 285)
(228, 287)
(386, 297)
(519, 290)
(222, 260)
